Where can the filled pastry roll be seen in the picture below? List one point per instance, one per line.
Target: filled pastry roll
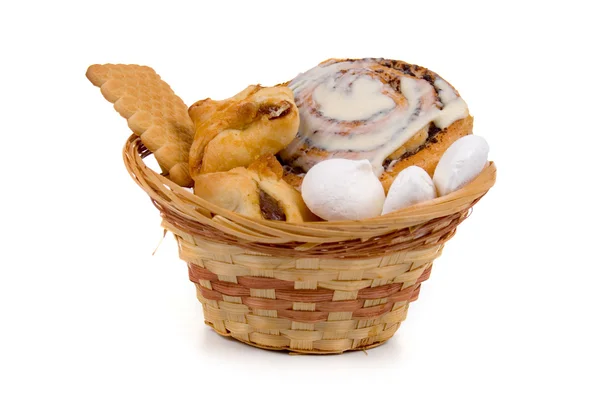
(257, 192)
(237, 131)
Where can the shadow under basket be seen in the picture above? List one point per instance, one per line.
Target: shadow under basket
(319, 287)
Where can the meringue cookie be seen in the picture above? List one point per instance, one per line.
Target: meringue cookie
(340, 189)
(412, 185)
(460, 164)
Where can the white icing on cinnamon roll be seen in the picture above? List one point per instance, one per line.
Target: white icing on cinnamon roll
(367, 109)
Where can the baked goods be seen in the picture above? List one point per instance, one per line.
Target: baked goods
(257, 192)
(340, 189)
(460, 164)
(152, 110)
(391, 113)
(236, 132)
(344, 130)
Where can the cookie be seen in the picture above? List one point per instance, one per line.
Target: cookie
(153, 111)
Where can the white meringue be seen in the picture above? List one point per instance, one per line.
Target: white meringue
(340, 189)
(412, 185)
(460, 163)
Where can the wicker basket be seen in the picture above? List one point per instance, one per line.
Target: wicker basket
(321, 287)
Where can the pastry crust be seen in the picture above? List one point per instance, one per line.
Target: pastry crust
(233, 190)
(293, 178)
(428, 156)
(236, 132)
(239, 190)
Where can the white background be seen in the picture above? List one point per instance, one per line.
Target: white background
(86, 311)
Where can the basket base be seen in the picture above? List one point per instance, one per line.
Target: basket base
(296, 351)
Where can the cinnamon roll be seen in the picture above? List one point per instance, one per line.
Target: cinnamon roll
(389, 112)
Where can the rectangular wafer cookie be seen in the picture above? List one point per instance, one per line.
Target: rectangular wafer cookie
(153, 111)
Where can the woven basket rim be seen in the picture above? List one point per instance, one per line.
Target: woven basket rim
(182, 205)
(361, 274)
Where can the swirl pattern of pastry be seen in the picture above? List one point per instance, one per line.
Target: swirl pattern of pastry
(381, 110)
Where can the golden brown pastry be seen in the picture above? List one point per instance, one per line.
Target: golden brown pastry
(153, 111)
(391, 113)
(236, 132)
(257, 192)
(428, 154)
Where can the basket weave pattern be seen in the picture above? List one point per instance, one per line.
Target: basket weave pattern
(323, 287)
